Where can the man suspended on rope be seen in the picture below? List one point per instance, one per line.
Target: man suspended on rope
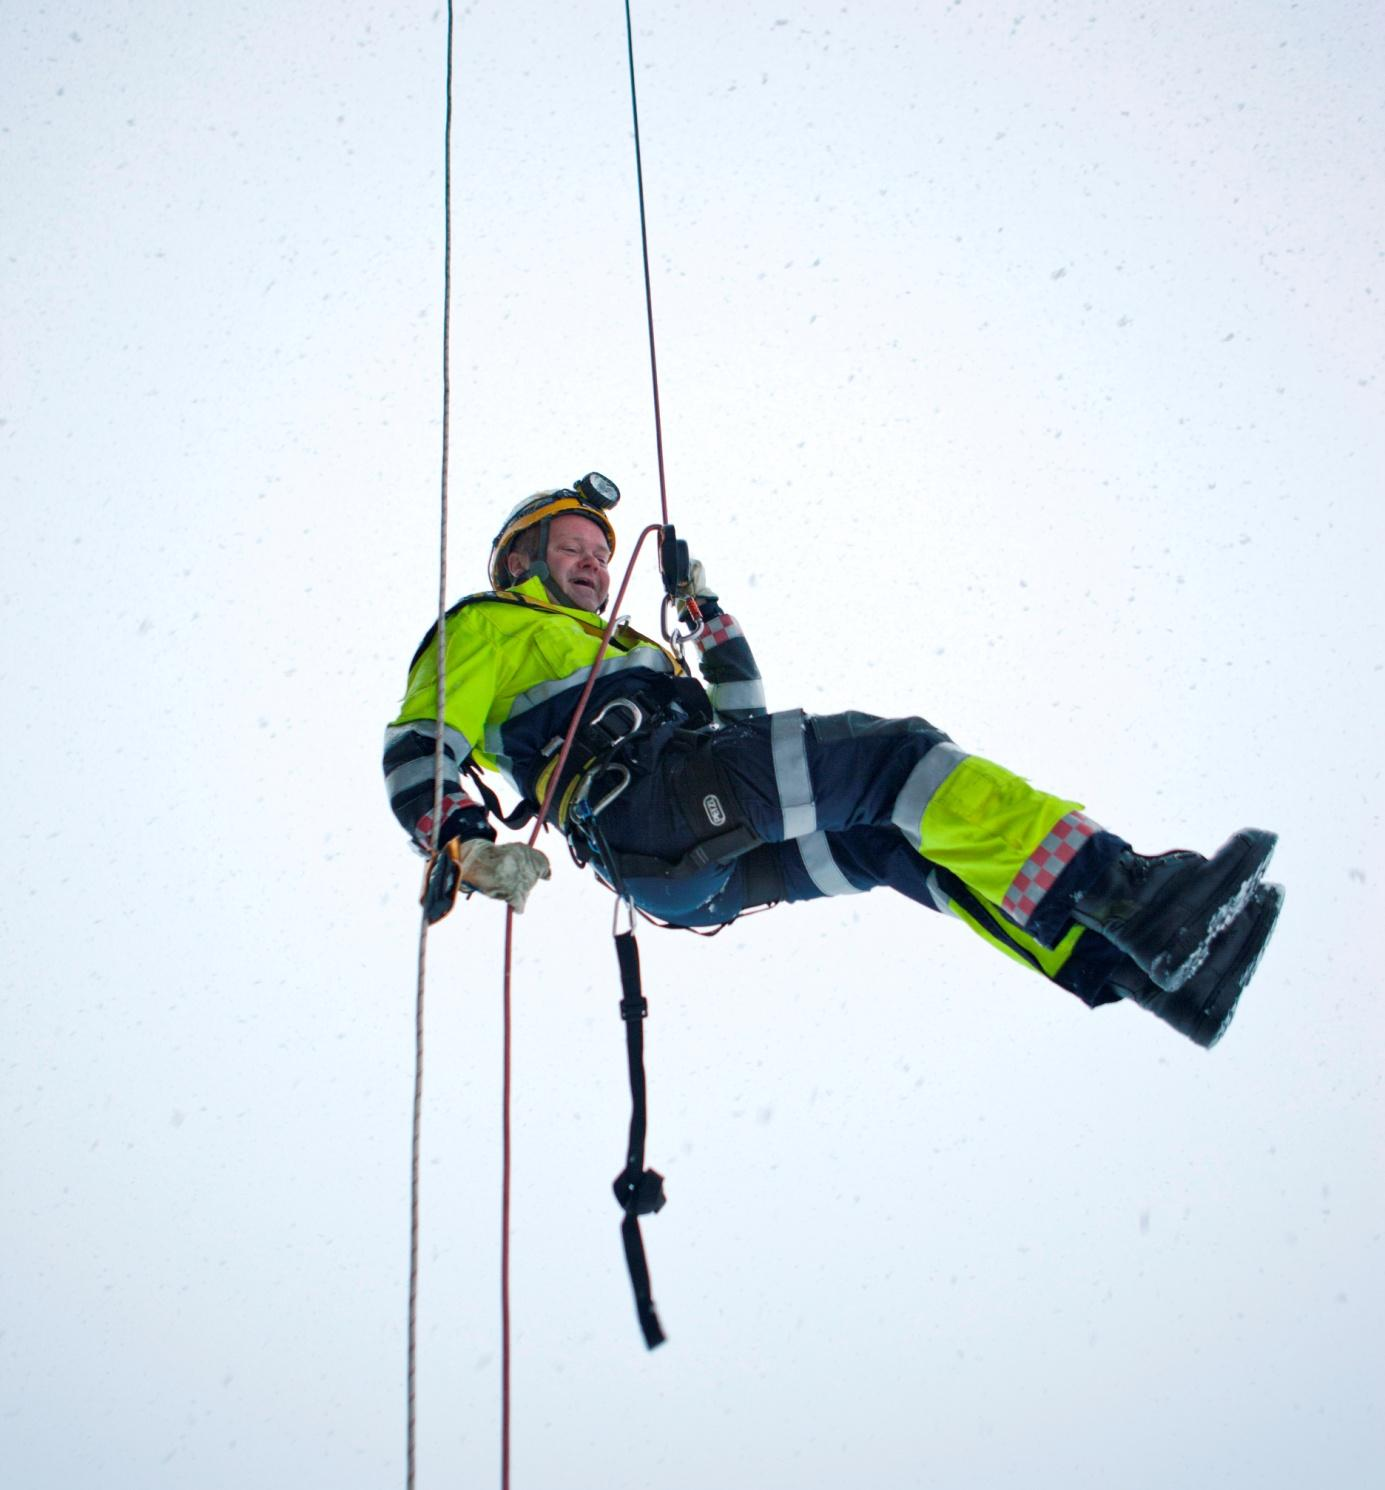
(696, 804)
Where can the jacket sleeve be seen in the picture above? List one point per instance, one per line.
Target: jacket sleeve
(411, 740)
(728, 665)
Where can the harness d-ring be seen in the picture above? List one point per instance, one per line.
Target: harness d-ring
(636, 715)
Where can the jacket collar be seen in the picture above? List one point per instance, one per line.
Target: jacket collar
(534, 591)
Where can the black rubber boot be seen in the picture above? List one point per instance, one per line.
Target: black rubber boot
(1164, 912)
(1203, 1006)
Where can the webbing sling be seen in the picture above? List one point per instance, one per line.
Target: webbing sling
(639, 1191)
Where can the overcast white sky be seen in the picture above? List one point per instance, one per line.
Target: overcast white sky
(1021, 369)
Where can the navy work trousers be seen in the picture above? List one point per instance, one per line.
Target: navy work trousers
(833, 798)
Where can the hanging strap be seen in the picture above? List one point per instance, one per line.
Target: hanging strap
(639, 1191)
(525, 811)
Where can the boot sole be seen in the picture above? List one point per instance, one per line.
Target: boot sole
(1234, 872)
(1220, 1009)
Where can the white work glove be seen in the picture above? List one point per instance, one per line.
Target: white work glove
(503, 871)
(696, 586)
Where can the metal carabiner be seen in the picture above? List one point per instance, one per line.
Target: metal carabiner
(671, 634)
(611, 795)
(622, 900)
(581, 808)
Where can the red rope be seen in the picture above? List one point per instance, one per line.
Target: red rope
(577, 714)
(590, 683)
(505, 1216)
(542, 818)
(644, 250)
(411, 1446)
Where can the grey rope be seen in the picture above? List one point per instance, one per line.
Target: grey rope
(411, 1455)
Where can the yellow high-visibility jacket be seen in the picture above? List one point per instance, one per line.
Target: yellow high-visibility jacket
(516, 664)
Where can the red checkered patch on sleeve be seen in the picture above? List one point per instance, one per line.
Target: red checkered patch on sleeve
(423, 831)
(718, 631)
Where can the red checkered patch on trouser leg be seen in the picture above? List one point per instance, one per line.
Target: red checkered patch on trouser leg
(1045, 864)
(718, 630)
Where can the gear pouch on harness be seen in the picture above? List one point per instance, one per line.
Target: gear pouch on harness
(671, 839)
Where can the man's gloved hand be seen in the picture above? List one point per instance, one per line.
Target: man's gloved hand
(502, 871)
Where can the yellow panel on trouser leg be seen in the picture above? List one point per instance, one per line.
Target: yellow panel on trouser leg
(983, 823)
(1015, 943)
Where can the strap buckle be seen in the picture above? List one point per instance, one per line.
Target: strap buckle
(612, 738)
(639, 1192)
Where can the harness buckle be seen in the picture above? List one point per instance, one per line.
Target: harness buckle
(636, 717)
(639, 1192)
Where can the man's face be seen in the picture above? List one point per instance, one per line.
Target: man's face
(577, 558)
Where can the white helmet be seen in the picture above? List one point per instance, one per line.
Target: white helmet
(593, 496)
